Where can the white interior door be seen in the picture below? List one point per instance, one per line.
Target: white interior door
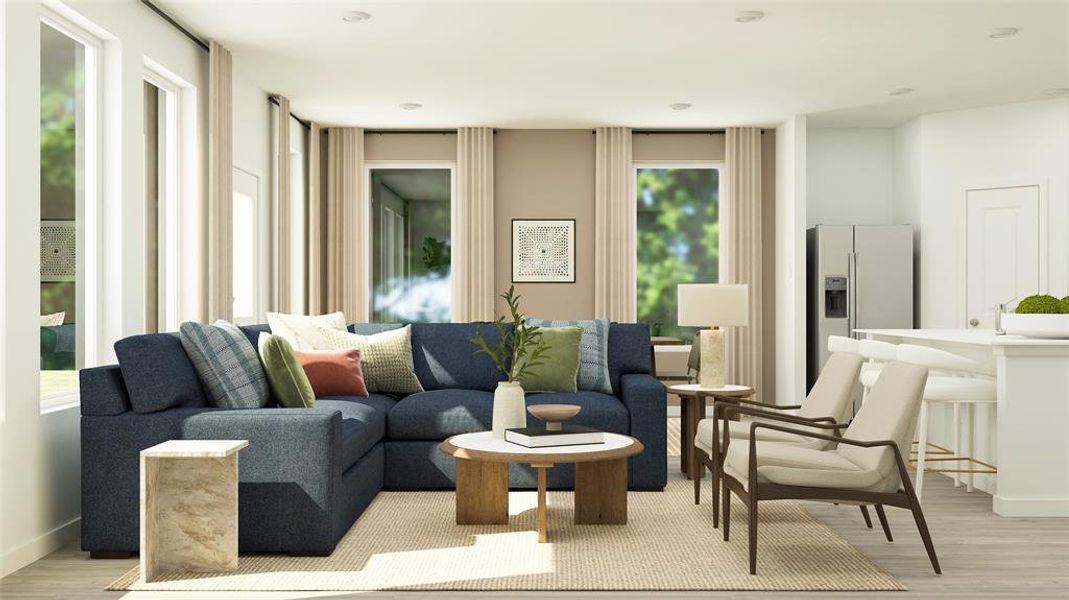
(1002, 249)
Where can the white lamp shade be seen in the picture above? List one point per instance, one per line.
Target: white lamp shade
(706, 304)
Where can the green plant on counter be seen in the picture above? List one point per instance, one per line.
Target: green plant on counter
(520, 348)
(1043, 304)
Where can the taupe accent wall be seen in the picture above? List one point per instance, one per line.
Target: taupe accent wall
(410, 146)
(546, 174)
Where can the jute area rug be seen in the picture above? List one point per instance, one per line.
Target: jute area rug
(409, 541)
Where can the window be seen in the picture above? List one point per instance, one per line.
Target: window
(68, 201)
(678, 239)
(411, 212)
(162, 187)
(246, 266)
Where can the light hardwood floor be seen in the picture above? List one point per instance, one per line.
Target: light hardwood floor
(983, 556)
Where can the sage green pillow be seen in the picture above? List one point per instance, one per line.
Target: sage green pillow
(560, 363)
(289, 385)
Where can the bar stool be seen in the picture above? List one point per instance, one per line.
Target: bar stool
(876, 355)
(839, 343)
(960, 382)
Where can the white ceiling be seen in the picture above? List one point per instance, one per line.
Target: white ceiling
(579, 64)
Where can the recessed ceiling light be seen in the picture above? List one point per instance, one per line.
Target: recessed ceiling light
(679, 105)
(411, 106)
(1056, 92)
(749, 16)
(901, 91)
(999, 33)
(355, 16)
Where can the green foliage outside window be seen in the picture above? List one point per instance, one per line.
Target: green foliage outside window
(678, 240)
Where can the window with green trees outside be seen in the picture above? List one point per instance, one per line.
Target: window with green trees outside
(678, 240)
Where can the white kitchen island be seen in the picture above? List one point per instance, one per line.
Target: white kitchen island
(1028, 438)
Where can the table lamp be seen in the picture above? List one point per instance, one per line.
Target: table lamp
(712, 305)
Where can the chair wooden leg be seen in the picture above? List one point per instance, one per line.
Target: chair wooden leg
(883, 522)
(698, 483)
(865, 513)
(922, 434)
(725, 494)
(922, 528)
(753, 531)
(715, 477)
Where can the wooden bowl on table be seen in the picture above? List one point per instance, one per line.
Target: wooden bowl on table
(554, 414)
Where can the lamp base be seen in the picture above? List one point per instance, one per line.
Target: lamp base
(711, 374)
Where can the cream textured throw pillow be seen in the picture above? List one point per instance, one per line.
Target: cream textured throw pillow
(53, 319)
(304, 332)
(385, 358)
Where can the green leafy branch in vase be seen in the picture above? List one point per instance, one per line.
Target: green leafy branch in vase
(520, 349)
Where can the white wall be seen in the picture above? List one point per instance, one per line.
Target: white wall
(848, 177)
(790, 260)
(39, 453)
(940, 155)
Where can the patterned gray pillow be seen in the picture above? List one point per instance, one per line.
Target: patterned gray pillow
(385, 358)
(226, 363)
(593, 352)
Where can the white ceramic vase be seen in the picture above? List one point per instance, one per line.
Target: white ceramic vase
(510, 410)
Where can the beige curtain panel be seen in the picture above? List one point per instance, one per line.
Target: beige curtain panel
(473, 226)
(348, 226)
(615, 226)
(219, 271)
(314, 227)
(741, 228)
(283, 208)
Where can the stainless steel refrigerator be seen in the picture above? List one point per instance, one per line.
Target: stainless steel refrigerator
(858, 277)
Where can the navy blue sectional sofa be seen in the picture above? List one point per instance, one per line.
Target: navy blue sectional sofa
(309, 473)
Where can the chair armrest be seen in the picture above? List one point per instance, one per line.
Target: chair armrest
(728, 406)
(763, 405)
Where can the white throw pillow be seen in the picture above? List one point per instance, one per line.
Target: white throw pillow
(304, 332)
(53, 319)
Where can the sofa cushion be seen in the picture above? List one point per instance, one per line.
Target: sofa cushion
(385, 358)
(305, 332)
(333, 372)
(438, 414)
(558, 367)
(444, 357)
(600, 411)
(227, 364)
(289, 384)
(593, 352)
(158, 373)
(363, 423)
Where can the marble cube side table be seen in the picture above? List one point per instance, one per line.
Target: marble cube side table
(189, 507)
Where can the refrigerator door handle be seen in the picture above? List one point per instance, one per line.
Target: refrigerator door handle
(851, 274)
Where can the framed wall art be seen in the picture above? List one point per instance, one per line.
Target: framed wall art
(543, 250)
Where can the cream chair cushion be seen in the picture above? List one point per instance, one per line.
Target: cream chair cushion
(833, 391)
(791, 464)
(740, 430)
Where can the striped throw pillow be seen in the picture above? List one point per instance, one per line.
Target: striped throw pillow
(226, 363)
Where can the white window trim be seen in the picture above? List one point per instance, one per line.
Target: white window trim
(89, 212)
(370, 165)
(258, 255)
(178, 185)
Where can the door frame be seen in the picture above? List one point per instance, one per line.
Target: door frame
(963, 235)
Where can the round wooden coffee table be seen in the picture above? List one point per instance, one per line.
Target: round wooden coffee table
(483, 477)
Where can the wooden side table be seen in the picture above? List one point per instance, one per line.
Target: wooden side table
(692, 408)
(189, 507)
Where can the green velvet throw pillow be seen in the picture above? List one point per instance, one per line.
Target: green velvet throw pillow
(289, 385)
(560, 363)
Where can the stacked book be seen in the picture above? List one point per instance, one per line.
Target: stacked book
(540, 437)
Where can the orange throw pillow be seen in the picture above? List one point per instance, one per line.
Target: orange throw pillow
(333, 372)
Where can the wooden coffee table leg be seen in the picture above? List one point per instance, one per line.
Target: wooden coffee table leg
(482, 492)
(601, 492)
(540, 516)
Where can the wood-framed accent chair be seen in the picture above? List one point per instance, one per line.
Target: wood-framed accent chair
(830, 401)
(864, 466)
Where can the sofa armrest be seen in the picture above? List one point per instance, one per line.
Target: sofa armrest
(288, 474)
(646, 400)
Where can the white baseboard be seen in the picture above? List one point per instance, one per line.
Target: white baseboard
(1031, 507)
(40, 546)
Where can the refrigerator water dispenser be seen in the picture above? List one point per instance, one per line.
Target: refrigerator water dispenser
(835, 297)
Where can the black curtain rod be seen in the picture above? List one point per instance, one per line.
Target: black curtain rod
(412, 131)
(175, 24)
(307, 124)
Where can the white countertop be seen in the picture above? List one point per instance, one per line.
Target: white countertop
(979, 337)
